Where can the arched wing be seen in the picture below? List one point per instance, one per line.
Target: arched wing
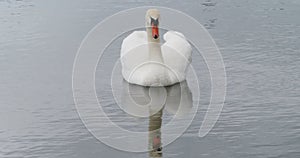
(177, 52)
(134, 50)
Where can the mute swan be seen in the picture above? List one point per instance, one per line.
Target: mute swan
(147, 62)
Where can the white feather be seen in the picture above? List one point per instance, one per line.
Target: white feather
(137, 69)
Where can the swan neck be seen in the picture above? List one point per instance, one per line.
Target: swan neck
(154, 47)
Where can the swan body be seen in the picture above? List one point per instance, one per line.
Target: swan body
(147, 62)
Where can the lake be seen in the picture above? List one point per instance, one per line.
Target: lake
(259, 43)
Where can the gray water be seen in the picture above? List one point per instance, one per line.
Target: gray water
(259, 42)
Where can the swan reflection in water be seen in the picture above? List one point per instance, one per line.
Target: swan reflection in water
(152, 102)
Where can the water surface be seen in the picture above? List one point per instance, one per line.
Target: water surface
(259, 41)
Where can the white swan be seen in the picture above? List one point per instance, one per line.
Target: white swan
(148, 63)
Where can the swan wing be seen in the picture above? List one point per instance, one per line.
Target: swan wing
(134, 50)
(136, 41)
(177, 53)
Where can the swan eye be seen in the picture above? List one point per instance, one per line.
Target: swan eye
(154, 21)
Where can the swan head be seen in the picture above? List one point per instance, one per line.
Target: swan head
(152, 21)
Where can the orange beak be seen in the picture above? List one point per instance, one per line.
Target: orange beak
(155, 33)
